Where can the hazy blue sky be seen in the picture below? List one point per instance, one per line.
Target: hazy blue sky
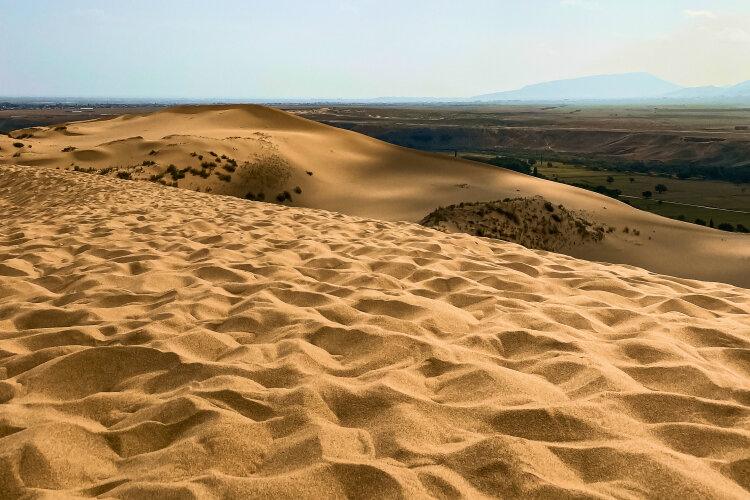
(359, 48)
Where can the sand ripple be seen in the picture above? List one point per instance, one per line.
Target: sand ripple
(160, 343)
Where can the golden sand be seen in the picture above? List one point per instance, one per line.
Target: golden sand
(162, 343)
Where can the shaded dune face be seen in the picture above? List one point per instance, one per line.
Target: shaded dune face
(163, 343)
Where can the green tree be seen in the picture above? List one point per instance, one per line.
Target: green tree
(660, 188)
(646, 194)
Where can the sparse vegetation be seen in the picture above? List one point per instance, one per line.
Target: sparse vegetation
(298, 190)
(528, 221)
(124, 175)
(176, 173)
(68, 149)
(204, 173)
(282, 197)
(255, 197)
(224, 177)
(18, 144)
(148, 163)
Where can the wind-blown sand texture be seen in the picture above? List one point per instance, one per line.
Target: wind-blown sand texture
(272, 152)
(161, 343)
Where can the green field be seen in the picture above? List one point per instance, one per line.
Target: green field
(721, 195)
(728, 201)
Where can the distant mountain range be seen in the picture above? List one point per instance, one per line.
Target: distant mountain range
(598, 87)
(639, 87)
(643, 87)
(627, 86)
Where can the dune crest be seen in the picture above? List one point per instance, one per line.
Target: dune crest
(160, 342)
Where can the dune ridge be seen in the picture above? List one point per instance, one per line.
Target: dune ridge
(259, 152)
(157, 342)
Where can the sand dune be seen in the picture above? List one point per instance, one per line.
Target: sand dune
(259, 152)
(162, 343)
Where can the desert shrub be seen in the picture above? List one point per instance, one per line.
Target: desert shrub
(212, 153)
(61, 128)
(229, 167)
(680, 217)
(224, 157)
(556, 218)
(282, 197)
(193, 154)
(224, 177)
(200, 157)
(175, 173)
(298, 190)
(68, 149)
(725, 226)
(308, 172)
(152, 152)
(148, 163)
(208, 164)
(626, 229)
(124, 175)
(548, 207)
(18, 144)
(255, 197)
(16, 155)
(202, 172)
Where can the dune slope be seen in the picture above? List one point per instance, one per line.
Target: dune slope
(246, 150)
(161, 343)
